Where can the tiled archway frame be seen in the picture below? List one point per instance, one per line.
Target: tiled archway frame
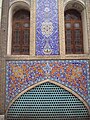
(73, 74)
(53, 82)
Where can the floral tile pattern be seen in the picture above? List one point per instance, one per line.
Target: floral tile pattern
(73, 74)
(47, 33)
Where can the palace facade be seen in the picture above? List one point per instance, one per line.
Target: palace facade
(44, 59)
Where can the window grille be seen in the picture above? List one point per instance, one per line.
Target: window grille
(73, 32)
(47, 102)
(21, 33)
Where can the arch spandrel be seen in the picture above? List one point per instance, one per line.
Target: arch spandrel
(63, 72)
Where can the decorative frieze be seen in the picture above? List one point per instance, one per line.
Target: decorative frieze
(73, 74)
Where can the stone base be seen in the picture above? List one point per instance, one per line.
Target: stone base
(1, 117)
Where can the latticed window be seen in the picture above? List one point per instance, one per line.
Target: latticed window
(73, 32)
(21, 32)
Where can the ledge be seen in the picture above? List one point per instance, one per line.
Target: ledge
(54, 57)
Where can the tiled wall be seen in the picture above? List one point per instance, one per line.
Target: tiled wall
(22, 74)
(47, 33)
(73, 74)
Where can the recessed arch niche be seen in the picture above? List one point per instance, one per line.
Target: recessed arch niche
(80, 6)
(15, 7)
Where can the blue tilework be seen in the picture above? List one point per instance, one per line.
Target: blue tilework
(47, 33)
(73, 74)
(88, 77)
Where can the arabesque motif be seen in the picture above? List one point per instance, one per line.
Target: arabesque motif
(47, 32)
(73, 74)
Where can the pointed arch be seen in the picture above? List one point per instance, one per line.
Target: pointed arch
(55, 83)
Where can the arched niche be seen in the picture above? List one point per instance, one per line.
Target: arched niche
(15, 6)
(80, 6)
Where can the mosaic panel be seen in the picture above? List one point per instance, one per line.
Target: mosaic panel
(89, 84)
(22, 74)
(47, 33)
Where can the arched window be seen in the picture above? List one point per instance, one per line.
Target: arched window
(21, 32)
(73, 32)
